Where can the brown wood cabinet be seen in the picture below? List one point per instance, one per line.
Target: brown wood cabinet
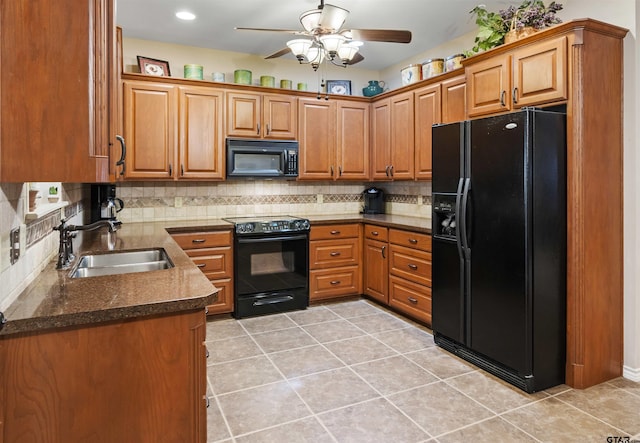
(335, 261)
(173, 132)
(381, 139)
(254, 115)
(58, 75)
(454, 99)
(334, 140)
(428, 104)
(212, 252)
(376, 270)
(532, 75)
(141, 379)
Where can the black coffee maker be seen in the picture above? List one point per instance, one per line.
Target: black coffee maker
(373, 201)
(104, 203)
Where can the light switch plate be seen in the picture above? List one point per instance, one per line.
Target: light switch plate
(14, 245)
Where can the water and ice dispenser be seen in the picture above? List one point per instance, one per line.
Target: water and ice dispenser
(444, 215)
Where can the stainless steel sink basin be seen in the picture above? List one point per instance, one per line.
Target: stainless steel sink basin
(124, 262)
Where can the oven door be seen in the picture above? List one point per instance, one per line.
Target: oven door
(268, 264)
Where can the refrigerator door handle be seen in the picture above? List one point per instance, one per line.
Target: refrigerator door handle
(463, 217)
(458, 232)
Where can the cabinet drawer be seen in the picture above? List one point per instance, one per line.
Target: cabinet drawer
(330, 232)
(224, 304)
(334, 282)
(215, 263)
(198, 240)
(411, 264)
(376, 232)
(332, 253)
(410, 239)
(411, 298)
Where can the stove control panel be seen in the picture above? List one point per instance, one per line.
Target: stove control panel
(274, 226)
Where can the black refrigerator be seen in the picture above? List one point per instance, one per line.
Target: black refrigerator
(499, 245)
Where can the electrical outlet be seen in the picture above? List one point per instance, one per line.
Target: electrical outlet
(177, 202)
(14, 245)
(319, 199)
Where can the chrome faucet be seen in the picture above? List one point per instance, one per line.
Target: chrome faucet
(68, 233)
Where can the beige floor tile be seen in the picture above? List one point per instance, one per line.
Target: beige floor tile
(406, 340)
(352, 309)
(378, 323)
(440, 362)
(555, 390)
(494, 430)
(223, 329)
(332, 331)
(317, 314)
(232, 349)
(242, 374)
(258, 408)
(439, 408)
(491, 392)
(360, 349)
(216, 427)
(305, 430)
(552, 420)
(284, 339)
(393, 374)
(332, 389)
(617, 407)
(372, 421)
(627, 385)
(267, 323)
(304, 361)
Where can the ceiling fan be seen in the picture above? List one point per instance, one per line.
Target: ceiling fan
(324, 39)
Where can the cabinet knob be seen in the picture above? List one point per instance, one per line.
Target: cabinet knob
(335, 232)
(412, 266)
(413, 241)
(335, 254)
(375, 233)
(412, 300)
(335, 282)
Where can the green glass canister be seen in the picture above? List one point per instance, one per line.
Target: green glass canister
(242, 76)
(193, 72)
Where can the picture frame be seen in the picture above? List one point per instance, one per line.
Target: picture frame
(152, 66)
(340, 87)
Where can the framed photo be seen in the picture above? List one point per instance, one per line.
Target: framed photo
(152, 66)
(341, 87)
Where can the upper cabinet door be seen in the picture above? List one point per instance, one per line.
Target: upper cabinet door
(381, 140)
(56, 84)
(317, 139)
(352, 155)
(489, 86)
(427, 113)
(454, 99)
(402, 138)
(150, 129)
(539, 73)
(243, 115)
(279, 117)
(201, 133)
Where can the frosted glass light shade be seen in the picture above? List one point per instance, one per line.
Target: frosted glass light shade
(333, 17)
(310, 20)
(332, 42)
(299, 46)
(347, 51)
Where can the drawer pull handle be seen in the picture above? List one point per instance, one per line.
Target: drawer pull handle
(201, 265)
(374, 233)
(336, 282)
(207, 352)
(412, 266)
(335, 232)
(198, 240)
(412, 300)
(382, 250)
(413, 241)
(207, 401)
(335, 254)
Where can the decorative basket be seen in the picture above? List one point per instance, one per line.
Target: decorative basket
(517, 34)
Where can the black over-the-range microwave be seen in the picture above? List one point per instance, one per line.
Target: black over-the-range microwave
(262, 158)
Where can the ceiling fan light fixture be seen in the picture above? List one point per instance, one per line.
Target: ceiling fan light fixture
(310, 20)
(315, 56)
(299, 47)
(332, 17)
(347, 51)
(331, 43)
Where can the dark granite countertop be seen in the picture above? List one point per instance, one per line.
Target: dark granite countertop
(54, 300)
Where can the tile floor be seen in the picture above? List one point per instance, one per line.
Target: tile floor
(354, 372)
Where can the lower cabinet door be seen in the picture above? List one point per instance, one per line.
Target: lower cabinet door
(411, 298)
(224, 304)
(334, 282)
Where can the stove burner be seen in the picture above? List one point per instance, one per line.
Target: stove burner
(268, 224)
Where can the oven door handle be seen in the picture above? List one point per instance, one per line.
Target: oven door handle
(273, 301)
(271, 239)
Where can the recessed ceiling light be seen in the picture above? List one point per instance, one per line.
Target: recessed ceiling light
(185, 15)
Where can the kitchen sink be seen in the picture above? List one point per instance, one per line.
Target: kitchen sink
(123, 262)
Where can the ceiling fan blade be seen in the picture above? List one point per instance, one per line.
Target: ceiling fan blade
(379, 35)
(286, 31)
(356, 59)
(280, 53)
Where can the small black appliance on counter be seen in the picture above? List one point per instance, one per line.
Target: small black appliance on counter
(373, 201)
(104, 203)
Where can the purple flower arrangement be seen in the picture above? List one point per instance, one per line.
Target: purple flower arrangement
(531, 13)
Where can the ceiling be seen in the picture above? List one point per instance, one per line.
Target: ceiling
(432, 22)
